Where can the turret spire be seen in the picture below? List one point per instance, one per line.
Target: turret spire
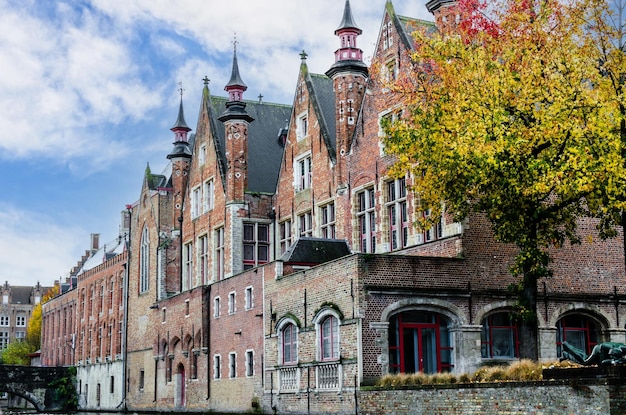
(348, 56)
(180, 130)
(235, 87)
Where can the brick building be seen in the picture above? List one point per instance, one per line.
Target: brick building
(275, 263)
(83, 326)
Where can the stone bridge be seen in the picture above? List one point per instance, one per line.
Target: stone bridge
(44, 387)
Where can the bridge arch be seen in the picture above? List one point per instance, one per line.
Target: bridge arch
(30, 397)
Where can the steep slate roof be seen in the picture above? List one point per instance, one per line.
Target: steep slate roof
(323, 96)
(21, 295)
(265, 151)
(312, 251)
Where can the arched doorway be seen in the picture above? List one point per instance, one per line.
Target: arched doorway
(180, 386)
(419, 341)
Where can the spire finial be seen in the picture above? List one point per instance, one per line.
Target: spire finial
(180, 89)
(206, 80)
(303, 55)
(235, 42)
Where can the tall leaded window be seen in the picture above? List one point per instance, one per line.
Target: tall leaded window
(256, 244)
(4, 339)
(305, 227)
(219, 253)
(187, 266)
(217, 366)
(4, 320)
(434, 232)
(285, 236)
(196, 199)
(367, 220)
(289, 339)
(232, 365)
(208, 196)
(144, 261)
(328, 221)
(303, 173)
(398, 214)
(499, 337)
(203, 258)
(329, 338)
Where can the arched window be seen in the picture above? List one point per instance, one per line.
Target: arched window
(499, 338)
(289, 344)
(329, 338)
(579, 331)
(144, 261)
(419, 341)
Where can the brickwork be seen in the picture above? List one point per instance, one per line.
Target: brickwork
(588, 399)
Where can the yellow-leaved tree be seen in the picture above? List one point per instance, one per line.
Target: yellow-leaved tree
(511, 116)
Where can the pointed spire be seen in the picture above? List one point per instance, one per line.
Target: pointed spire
(348, 21)
(180, 121)
(348, 57)
(180, 130)
(235, 87)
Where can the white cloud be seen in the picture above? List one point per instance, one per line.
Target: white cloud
(34, 249)
(60, 77)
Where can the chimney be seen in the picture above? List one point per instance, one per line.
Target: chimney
(95, 242)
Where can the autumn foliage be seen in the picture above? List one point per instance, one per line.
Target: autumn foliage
(514, 115)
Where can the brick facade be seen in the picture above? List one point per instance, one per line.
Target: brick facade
(221, 318)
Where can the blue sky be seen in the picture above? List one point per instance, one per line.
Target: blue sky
(88, 92)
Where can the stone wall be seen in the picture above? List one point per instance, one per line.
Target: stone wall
(580, 398)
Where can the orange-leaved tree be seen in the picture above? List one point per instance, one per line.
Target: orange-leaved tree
(508, 117)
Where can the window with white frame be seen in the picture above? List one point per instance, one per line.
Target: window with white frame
(256, 244)
(202, 154)
(285, 236)
(329, 338)
(249, 363)
(397, 214)
(249, 299)
(303, 173)
(366, 217)
(217, 366)
(219, 253)
(391, 70)
(196, 198)
(302, 126)
(20, 321)
(327, 226)
(289, 344)
(216, 307)
(4, 320)
(20, 336)
(144, 261)
(4, 339)
(232, 306)
(208, 196)
(305, 227)
(187, 266)
(232, 365)
(203, 259)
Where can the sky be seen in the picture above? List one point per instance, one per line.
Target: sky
(90, 88)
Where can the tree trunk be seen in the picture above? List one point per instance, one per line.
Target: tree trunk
(528, 334)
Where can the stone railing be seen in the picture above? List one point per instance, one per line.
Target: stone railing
(289, 379)
(328, 376)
